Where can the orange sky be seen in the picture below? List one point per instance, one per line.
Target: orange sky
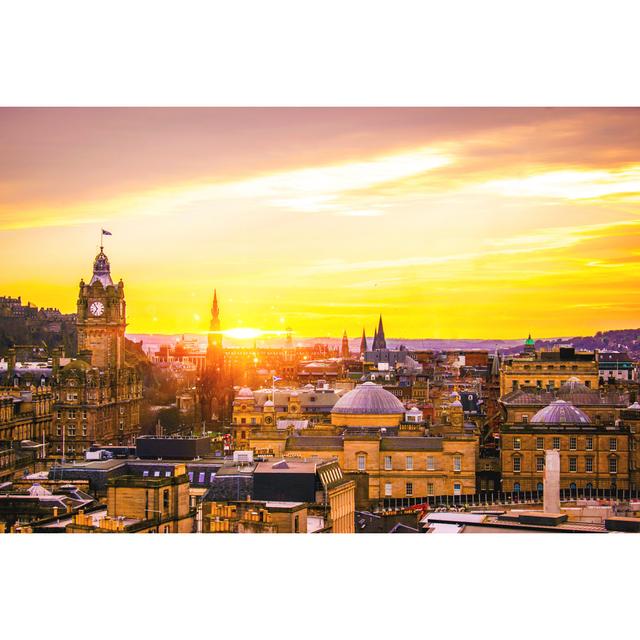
(451, 222)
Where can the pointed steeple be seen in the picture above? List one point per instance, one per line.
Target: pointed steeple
(495, 365)
(363, 343)
(214, 340)
(379, 341)
(345, 346)
(215, 311)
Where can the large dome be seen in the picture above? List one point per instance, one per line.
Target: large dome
(368, 399)
(574, 385)
(561, 411)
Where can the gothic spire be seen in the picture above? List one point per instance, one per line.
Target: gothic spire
(379, 341)
(363, 343)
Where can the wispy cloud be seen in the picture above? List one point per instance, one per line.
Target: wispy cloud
(571, 185)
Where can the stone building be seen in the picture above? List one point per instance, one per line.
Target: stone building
(378, 443)
(295, 407)
(593, 455)
(142, 505)
(549, 369)
(97, 395)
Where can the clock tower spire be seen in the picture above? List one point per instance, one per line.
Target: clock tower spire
(101, 316)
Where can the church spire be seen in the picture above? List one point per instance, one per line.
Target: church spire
(214, 340)
(215, 311)
(363, 343)
(379, 341)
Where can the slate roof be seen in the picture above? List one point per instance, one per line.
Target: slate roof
(310, 443)
(401, 443)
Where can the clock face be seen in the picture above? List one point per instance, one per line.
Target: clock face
(96, 308)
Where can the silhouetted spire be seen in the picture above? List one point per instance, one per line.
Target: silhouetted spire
(379, 341)
(214, 346)
(363, 343)
(215, 311)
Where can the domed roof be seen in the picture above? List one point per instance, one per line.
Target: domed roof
(561, 411)
(78, 363)
(268, 403)
(368, 398)
(245, 392)
(573, 385)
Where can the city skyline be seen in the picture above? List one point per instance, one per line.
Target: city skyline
(454, 223)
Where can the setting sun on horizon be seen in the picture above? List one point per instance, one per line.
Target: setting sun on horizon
(452, 223)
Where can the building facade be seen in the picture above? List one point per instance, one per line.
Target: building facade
(97, 395)
(592, 455)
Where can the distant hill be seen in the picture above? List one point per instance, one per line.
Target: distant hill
(627, 340)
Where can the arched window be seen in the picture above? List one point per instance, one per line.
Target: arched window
(540, 487)
(516, 487)
(573, 487)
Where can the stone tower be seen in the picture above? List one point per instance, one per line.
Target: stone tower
(101, 317)
(345, 353)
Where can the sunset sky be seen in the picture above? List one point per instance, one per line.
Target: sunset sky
(452, 223)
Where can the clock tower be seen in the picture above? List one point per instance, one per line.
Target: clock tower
(101, 317)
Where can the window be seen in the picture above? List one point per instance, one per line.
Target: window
(156, 474)
(362, 462)
(387, 489)
(296, 524)
(409, 488)
(167, 474)
(409, 463)
(540, 487)
(539, 463)
(556, 443)
(517, 464)
(613, 465)
(165, 499)
(573, 464)
(431, 463)
(145, 474)
(516, 487)
(211, 477)
(387, 463)
(525, 418)
(457, 463)
(457, 488)
(573, 443)
(589, 446)
(539, 443)
(190, 476)
(429, 488)
(201, 477)
(588, 464)
(613, 444)
(243, 421)
(517, 444)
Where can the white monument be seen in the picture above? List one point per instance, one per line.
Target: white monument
(552, 481)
